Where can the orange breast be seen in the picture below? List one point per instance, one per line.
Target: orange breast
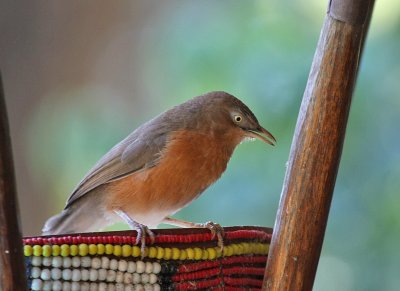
(189, 164)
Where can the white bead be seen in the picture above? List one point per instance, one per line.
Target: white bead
(113, 264)
(119, 287)
(45, 274)
(86, 262)
(56, 262)
(76, 275)
(102, 286)
(35, 272)
(85, 275)
(136, 278)
(85, 286)
(93, 275)
(47, 286)
(66, 275)
(156, 268)
(110, 287)
(66, 286)
(129, 288)
(94, 286)
(149, 267)
(55, 274)
(66, 262)
(111, 276)
(36, 261)
(131, 267)
(57, 286)
(76, 262)
(128, 278)
(148, 287)
(102, 274)
(36, 284)
(96, 263)
(119, 278)
(46, 261)
(139, 287)
(145, 278)
(140, 267)
(75, 286)
(105, 262)
(122, 265)
(156, 287)
(153, 278)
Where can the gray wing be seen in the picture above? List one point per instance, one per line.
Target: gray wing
(141, 149)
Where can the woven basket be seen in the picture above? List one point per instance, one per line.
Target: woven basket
(179, 259)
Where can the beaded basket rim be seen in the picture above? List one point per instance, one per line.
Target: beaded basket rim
(157, 231)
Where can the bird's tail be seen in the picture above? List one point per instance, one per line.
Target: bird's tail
(83, 215)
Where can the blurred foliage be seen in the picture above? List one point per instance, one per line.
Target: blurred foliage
(260, 51)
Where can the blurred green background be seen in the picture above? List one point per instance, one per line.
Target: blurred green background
(80, 75)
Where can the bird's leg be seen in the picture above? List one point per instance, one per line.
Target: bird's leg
(215, 228)
(141, 229)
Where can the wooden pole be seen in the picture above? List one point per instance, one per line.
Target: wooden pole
(316, 148)
(12, 267)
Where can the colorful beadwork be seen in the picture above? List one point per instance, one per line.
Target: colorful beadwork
(180, 259)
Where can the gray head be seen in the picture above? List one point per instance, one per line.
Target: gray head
(219, 113)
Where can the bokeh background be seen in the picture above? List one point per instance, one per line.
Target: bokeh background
(80, 75)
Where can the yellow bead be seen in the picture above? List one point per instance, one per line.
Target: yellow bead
(228, 251)
(260, 248)
(183, 255)
(266, 249)
(145, 252)
(92, 249)
(218, 252)
(237, 249)
(160, 253)
(37, 250)
(198, 253)
(28, 251)
(46, 250)
(176, 253)
(101, 249)
(152, 252)
(117, 250)
(109, 249)
(246, 248)
(212, 254)
(73, 250)
(255, 248)
(126, 250)
(167, 254)
(55, 250)
(83, 250)
(250, 248)
(136, 251)
(190, 253)
(204, 255)
(64, 250)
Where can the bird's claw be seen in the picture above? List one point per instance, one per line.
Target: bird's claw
(216, 231)
(142, 231)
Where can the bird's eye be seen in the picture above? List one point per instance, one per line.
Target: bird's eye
(237, 118)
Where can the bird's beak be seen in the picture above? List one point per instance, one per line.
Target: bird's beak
(262, 134)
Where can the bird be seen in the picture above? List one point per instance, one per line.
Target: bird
(160, 168)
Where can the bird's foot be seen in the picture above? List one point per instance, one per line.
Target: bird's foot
(215, 228)
(141, 230)
(216, 231)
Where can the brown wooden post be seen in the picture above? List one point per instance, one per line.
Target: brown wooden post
(316, 148)
(12, 267)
